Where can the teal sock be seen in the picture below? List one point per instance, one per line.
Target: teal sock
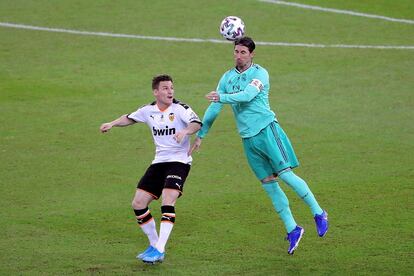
(301, 188)
(281, 204)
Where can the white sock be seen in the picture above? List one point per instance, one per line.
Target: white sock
(165, 231)
(150, 230)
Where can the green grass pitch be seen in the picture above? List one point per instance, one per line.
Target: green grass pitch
(66, 188)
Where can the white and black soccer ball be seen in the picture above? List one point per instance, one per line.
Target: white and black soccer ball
(232, 28)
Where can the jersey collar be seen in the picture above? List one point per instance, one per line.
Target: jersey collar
(162, 109)
(238, 72)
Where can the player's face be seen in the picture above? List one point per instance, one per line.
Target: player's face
(242, 57)
(164, 94)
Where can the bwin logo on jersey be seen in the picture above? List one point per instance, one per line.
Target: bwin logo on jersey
(163, 131)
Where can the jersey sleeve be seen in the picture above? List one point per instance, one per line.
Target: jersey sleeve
(256, 84)
(213, 110)
(209, 117)
(138, 115)
(189, 116)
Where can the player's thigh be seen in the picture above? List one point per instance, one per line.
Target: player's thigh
(170, 196)
(152, 182)
(176, 175)
(257, 160)
(281, 153)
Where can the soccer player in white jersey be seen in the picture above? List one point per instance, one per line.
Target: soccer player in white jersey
(171, 123)
(269, 152)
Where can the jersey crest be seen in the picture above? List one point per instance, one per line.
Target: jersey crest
(171, 116)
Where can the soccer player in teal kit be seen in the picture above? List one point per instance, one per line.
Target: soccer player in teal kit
(268, 149)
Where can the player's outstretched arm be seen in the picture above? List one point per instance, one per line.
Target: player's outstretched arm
(120, 122)
(246, 95)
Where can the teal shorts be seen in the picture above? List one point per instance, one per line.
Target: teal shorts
(270, 151)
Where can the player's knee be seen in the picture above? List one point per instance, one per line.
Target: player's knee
(286, 175)
(138, 204)
(169, 196)
(135, 204)
(270, 178)
(169, 200)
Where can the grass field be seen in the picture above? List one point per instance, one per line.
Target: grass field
(66, 188)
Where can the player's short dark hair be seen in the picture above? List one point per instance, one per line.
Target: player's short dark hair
(247, 42)
(157, 79)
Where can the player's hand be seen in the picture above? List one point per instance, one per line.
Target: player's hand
(179, 136)
(195, 146)
(213, 96)
(105, 127)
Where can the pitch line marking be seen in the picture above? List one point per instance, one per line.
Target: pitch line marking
(198, 40)
(303, 6)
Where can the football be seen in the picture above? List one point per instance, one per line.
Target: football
(232, 28)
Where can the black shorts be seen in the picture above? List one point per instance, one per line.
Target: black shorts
(170, 175)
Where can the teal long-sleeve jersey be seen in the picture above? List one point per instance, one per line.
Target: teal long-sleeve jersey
(248, 94)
